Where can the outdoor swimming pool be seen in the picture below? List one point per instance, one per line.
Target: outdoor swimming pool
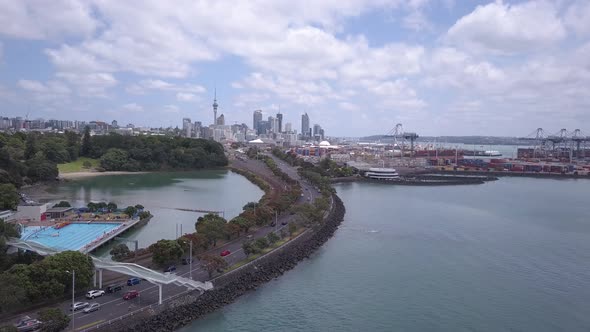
(71, 237)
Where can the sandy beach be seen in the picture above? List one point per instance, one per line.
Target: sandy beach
(87, 174)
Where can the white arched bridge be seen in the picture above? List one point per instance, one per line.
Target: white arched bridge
(130, 269)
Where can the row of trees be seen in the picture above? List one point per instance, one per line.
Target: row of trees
(46, 279)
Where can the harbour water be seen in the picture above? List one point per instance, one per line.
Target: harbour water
(161, 193)
(509, 255)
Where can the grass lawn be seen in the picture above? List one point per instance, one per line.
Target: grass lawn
(77, 166)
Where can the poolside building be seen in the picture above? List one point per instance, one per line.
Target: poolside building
(31, 212)
(58, 212)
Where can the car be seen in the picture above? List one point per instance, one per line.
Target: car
(27, 323)
(133, 281)
(78, 305)
(131, 295)
(90, 308)
(284, 223)
(170, 268)
(114, 288)
(185, 261)
(225, 253)
(94, 293)
(273, 224)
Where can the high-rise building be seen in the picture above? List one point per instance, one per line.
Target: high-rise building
(197, 130)
(187, 127)
(316, 129)
(279, 122)
(114, 124)
(288, 128)
(305, 125)
(272, 124)
(220, 120)
(257, 117)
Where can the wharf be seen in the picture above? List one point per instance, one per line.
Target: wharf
(513, 174)
(109, 236)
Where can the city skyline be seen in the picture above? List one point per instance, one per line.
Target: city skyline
(438, 67)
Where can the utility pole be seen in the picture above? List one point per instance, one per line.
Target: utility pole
(190, 260)
(73, 298)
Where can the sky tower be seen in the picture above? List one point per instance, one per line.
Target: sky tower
(215, 107)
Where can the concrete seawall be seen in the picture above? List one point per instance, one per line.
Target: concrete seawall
(190, 306)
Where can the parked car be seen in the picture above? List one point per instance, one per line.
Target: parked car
(78, 305)
(185, 261)
(114, 288)
(131, 295)
(225, 253)
(133, 281)
(273, 224)
(170, 268)
(92, 307)
(94, 293)
(26, 324)
(284, 222)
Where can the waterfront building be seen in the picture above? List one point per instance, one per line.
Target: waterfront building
(389, 174)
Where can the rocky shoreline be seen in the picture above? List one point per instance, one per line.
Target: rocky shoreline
(189, 307)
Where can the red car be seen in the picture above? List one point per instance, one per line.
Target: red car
(225, 253)
(130, 295)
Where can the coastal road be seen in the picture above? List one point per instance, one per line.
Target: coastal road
(113, 306)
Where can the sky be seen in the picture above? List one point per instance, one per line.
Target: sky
(357, 67)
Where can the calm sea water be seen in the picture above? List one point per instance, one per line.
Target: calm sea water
(161, 193)
(511, 255)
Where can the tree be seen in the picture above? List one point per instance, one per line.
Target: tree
(120, 252)
(31, 147)
(112, 207)
(212, 263)
(249, 248)
(92, 207)
(212, 227)
(244, 223)
(250, 206)
(56, 265)
(11, 295)
(114, 159)
(232, 229)
(8, 197)
(272, 238)
(86, 143)
(166, 252)
(8, 328)
(54, 320)
(139, 207)
(62, 204)
(292, 229)
(144, 215)
(261, 243)
(86, 164)
(130, 211)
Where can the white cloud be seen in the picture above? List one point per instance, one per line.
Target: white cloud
(508, 29)
(91, 84)
(132, 107)
(54, 92)
(30, 19)
(154, 84)
(171, 109)
(577, 17)
(185, 96)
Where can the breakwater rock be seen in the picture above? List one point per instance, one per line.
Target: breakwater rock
(228, 287)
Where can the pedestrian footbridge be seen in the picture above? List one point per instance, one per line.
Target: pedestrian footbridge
(130, 269)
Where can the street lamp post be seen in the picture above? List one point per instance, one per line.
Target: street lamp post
(73, 298)
(190, 260)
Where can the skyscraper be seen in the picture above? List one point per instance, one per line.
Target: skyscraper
(305, 125)
(220, 120)
(256, 120)
(215, 107)
(288, 127)
(272, 124)
(280, 122)
(187, 127)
